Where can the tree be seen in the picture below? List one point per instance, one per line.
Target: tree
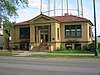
(8, 9)
(7, 27)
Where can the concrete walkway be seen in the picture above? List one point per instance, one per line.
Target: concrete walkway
(27, 53)
(30, 53)
(22, 52)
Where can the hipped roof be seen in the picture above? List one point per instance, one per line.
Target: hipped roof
(66, 18)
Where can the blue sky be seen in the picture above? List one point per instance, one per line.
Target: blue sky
(34, 10)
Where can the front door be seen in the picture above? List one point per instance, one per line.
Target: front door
(44, 39)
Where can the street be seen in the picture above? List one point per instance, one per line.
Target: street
(48, 66)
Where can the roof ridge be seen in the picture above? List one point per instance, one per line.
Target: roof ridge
(69, 15)
(79, 17)
(65, 18)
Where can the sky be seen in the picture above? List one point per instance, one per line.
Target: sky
(33, 10)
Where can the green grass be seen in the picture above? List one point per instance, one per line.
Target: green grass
(6, 54)
(63, 56)
(67, 54)
(72, 52)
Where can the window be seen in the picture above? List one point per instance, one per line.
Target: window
(73, 31)
(25, 33)
(68, 46)
(58, 33)
(77, 46)
(90, 31)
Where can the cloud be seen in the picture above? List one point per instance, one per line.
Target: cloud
(34, 10)
(26, 14)
(34, 3)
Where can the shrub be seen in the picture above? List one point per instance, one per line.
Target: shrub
(86, 47)
(62, 47)
(78, 48)
(14, 47)
(99, 47)
(89, 47)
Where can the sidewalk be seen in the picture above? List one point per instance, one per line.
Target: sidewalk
(27, 53)
(22, 52)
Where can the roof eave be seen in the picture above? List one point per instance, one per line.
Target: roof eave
(21, 24)
(79, 21)
(90, 22)
(75, 21)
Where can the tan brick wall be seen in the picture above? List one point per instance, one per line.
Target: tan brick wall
(56, 43)
(85, 32)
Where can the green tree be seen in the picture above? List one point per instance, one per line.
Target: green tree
(7, 27)
(8, 9)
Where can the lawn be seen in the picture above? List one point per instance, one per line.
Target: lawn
(67, 54)
(73, 52)
(6, 54)
(63, 56)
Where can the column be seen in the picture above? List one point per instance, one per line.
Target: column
(36, 33)
(32, 36)
(49, 33)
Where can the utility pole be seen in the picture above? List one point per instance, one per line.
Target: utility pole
(95, 44)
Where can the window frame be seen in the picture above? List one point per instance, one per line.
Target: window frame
(70, 30)
(58, 33)
(24, 28)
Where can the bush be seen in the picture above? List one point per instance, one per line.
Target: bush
(14, 47)
(62, 47)
(99, 47)
(86, 47)
(89, 47)
(78, 48)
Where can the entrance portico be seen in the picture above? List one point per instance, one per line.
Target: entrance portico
(43, 34)
(44, 31)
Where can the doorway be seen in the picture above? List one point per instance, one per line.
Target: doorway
(44, 39)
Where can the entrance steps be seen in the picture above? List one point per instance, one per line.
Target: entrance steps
(40, 49)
